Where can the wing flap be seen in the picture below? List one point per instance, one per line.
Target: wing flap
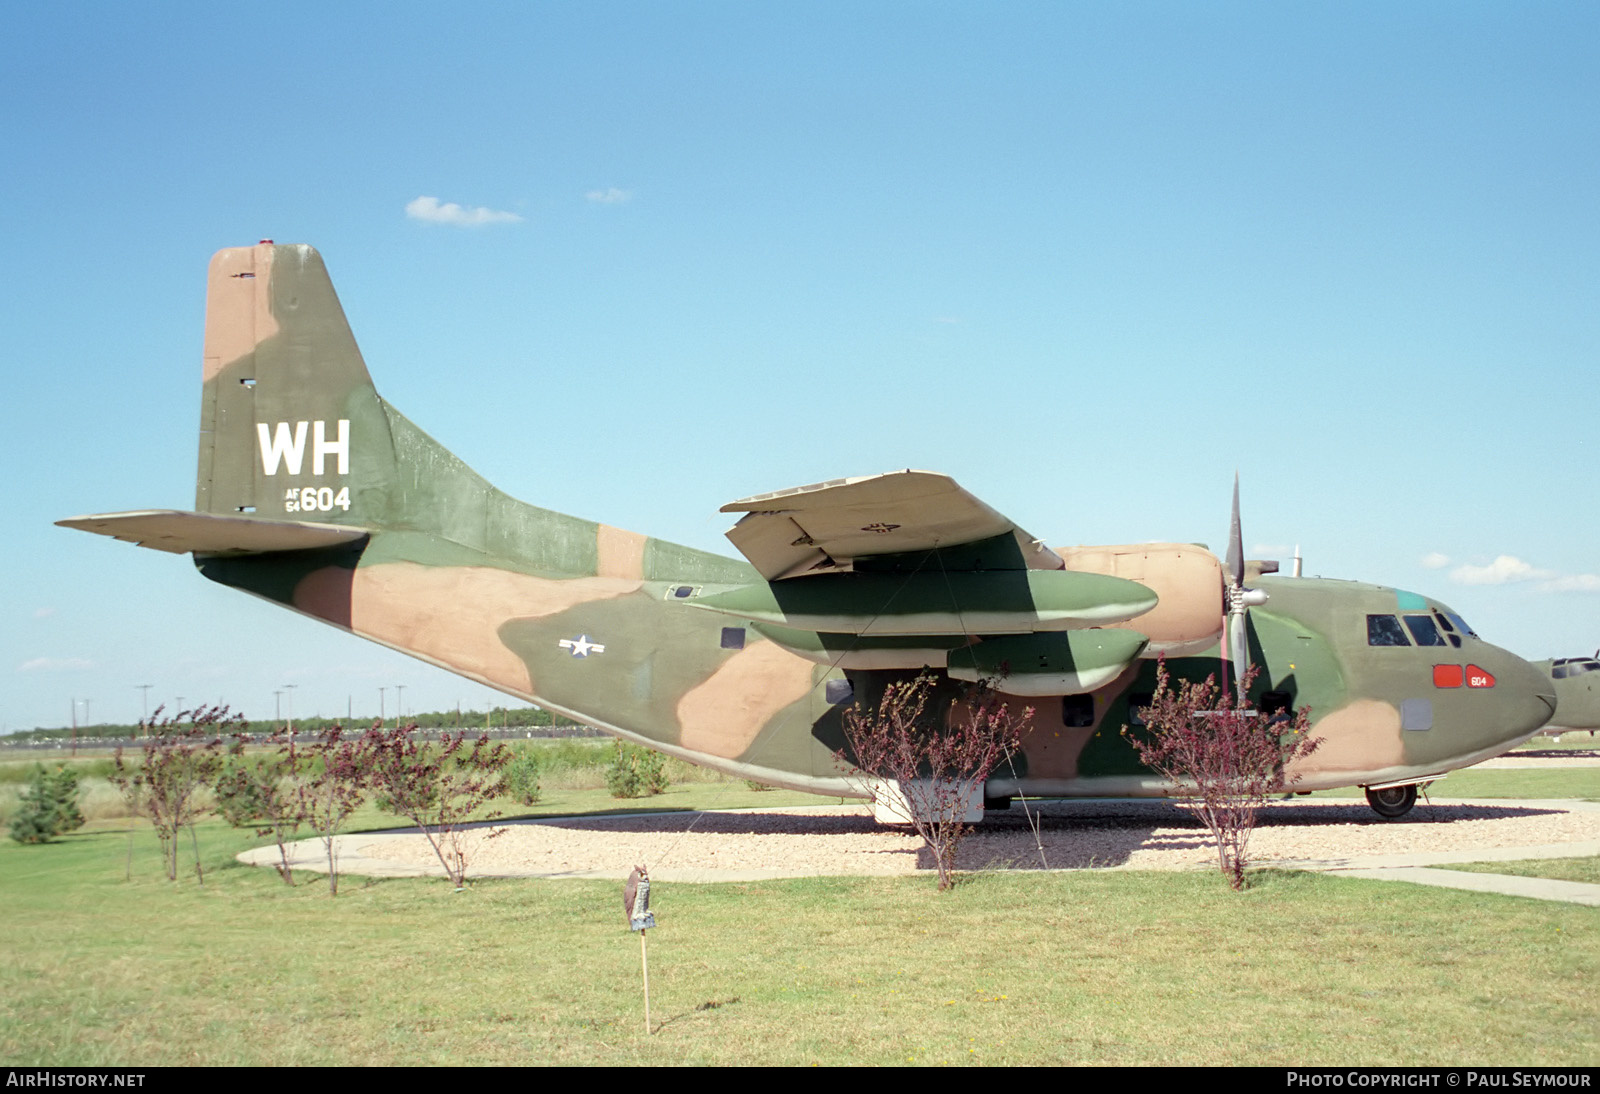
(179, 532)
(830, 524)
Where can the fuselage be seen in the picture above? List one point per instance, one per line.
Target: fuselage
(1399, 689)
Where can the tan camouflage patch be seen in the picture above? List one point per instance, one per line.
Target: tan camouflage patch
(722, 716)
(448, 614)
(621, 553)
(1052, 746)
(238, 305)
(1186, 578)
(1361, 737)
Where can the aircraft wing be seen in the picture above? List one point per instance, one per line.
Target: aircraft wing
(829, 525)
(212, 533)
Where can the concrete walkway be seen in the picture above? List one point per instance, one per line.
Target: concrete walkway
(1426, 867)
(1572, 892)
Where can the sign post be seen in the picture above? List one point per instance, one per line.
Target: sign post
(636, 902)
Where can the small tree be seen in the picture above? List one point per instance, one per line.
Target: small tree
(438, 788)
(940, 758)
(522, 777)
(175, 765)
(258, 791)
(326, 797)
(1224, 757)
(636, 772)
(48, 806)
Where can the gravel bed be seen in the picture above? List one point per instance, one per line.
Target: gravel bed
(844, 840)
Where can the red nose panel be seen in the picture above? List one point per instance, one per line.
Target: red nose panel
(1447, 676)
(1478, 678)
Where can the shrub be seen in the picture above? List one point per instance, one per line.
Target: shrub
(522, 777)
(48, 807)
(335, 790)
(635, 772)
(252, 792)
(939, 758)
(176, 764)
(439, 789)
(1225, 758)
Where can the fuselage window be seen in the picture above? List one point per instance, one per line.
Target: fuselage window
(1385, 630)
(1275, 705)
(1423, 630)
(1136, 706)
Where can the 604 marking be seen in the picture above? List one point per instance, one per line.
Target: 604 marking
(315, 499)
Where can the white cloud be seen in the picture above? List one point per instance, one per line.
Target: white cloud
(1502, 571)
(54, 664)
(609, 196)
(431, 210)
(1510, 570)
(1572, 583)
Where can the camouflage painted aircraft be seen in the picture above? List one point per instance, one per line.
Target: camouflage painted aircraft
(316, 494)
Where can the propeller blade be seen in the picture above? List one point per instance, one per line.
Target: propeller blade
(1236, 540)
(1238, 651)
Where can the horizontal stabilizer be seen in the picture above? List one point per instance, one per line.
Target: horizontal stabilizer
(212, 533)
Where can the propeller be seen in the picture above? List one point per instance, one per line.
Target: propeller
(1237, 600)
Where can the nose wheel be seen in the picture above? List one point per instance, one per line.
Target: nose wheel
(1392, 802)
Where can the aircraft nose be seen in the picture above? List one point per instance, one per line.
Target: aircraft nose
(1536, 692)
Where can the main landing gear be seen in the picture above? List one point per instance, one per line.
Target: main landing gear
(1392, 802)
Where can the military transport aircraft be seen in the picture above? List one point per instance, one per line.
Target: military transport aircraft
(316, 494)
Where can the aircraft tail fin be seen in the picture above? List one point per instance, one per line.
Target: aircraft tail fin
(292, 429)
(290, 424)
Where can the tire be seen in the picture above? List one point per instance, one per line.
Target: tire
(1392, 802)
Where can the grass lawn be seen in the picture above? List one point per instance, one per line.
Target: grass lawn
(1556, 869)
(1582, 783)
(1086, 967)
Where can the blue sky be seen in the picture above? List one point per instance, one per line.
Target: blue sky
(1087, 258)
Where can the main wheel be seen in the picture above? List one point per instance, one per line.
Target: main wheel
(1392, 801)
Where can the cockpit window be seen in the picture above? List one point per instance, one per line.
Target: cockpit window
(1423, 630)
(1450, 632)
(1461, 624)
(1573, 666)
(1385, 630)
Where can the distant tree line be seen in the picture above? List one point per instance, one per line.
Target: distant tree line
(497, 718)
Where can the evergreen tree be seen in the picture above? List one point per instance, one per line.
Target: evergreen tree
(48, 807)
